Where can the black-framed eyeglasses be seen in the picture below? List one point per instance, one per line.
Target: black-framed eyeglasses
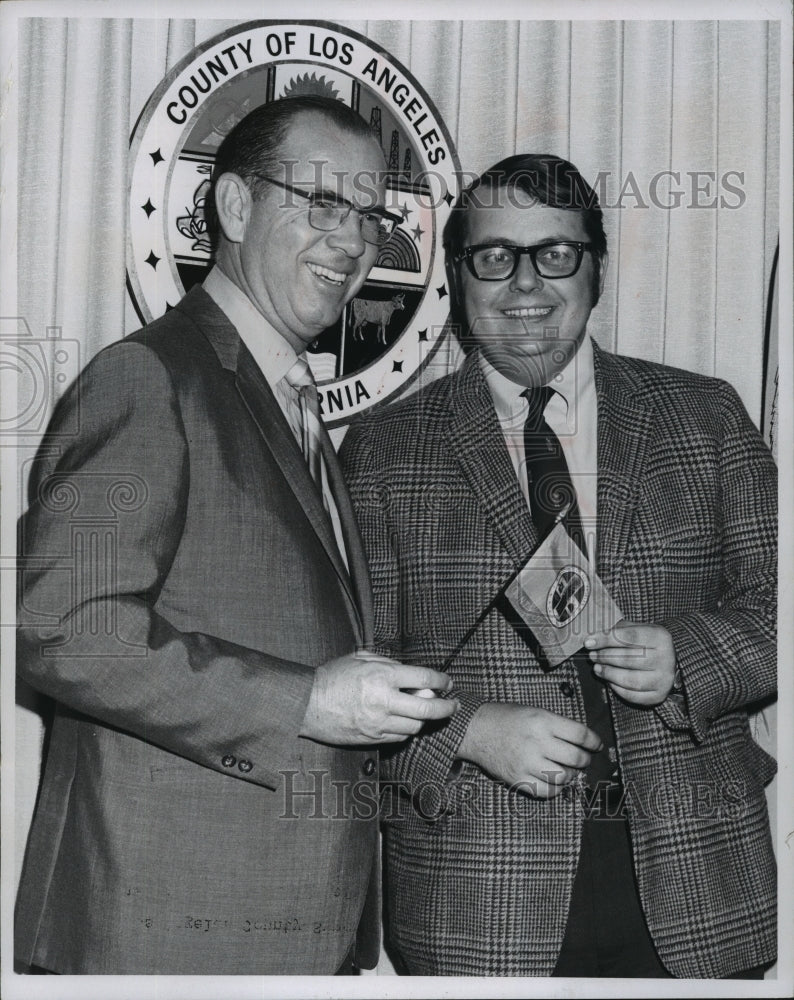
(495, 262)
(328, 212)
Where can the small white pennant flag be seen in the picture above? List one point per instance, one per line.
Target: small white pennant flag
(559, 596)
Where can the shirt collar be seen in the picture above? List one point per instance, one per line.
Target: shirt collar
(272, 353)
(573, 385)
(576, 382)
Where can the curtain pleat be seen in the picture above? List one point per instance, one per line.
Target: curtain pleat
(486, 119)
(772, 162)
(434, 60)
(43, 93)
(149, 61)
(543, 88)
(72, 203)
(691, 280)
(89, 285)
(181, 39)
(393, 36)
(639, 255)
(741, 147)
(594, 135)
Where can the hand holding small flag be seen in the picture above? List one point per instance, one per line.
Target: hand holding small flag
(559, 595)
(638, 661)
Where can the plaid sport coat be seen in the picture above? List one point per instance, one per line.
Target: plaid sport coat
(479, 877)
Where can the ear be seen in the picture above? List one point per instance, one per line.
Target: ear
(602, 277)
(233, 204)
(457, 311)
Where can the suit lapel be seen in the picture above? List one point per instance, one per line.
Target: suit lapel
(625, 419)
(279, 439)
(476, 439)
(354, 546)
(263, 407)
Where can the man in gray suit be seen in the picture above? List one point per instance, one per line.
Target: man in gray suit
(194, 597)
(605, 817)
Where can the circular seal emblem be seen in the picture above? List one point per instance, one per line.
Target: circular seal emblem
(568, 596)
(390, 330)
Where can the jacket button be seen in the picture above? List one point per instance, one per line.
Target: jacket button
(368, 767)
(245, 766)
(229, 761)
(567, 689)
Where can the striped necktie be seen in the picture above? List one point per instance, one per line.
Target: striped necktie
(300, 378)
(312, 432)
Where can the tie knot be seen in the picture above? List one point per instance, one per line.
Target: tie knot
(537, 397)
(300, 375)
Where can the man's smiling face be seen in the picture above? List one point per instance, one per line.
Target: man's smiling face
(298, 277)
(528, 327)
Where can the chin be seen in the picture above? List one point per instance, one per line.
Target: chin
(321, 316)
(524, 368)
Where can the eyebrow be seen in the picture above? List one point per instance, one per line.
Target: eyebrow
(325, 195)
(504, 241)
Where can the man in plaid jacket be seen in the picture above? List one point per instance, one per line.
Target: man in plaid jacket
(606, 817)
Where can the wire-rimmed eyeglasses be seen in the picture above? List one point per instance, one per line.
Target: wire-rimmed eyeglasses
(328, 212)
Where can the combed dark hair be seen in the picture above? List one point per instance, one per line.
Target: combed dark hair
(255, 144)
(547, 179)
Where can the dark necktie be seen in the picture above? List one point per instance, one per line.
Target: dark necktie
(550, 491)
(550, 486)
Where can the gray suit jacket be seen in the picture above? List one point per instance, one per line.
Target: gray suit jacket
(179, 584)
(479, 876)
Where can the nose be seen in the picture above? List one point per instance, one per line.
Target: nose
(347, 237)
(526, 278)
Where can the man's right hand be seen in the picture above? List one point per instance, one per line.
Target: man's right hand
(526, 746)
(361, 699)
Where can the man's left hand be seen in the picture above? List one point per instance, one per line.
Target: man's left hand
(637, 661)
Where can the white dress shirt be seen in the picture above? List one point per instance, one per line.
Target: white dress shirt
(572, 414)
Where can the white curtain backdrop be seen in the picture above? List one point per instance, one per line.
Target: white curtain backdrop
(624, 101)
